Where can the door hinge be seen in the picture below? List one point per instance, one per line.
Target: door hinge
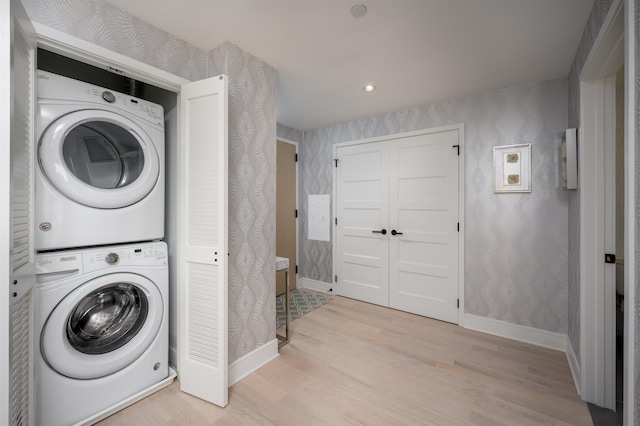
(296, 269)
(336, 220)
(458, 226)
(336, 278)
(336, 160)
(458, 147)
(609, 258)
(296, 212)
(296, 158)
(458, 303)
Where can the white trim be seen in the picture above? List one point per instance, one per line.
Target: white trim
(72, 47)
(631, 168)
(462, 138)
(597, 103)
(520, 333)
(458, 126)
(252, 361)
(574, 366)
(129, 401)
(607, 53)
(315, 285)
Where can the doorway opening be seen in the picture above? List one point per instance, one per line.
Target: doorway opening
(287, 211)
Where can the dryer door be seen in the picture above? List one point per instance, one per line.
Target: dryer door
(99, 159)
(102, 326)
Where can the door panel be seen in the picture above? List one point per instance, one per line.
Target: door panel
(408, 185)
(286, 234)
(362, 201)
(424, 208)
(203, 236)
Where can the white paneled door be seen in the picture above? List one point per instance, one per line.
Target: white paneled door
(363, 217)
(397, 208)
(203, 236)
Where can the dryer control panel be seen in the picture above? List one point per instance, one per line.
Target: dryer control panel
(54, 87)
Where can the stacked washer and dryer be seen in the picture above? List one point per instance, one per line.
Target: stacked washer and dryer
(101, 308)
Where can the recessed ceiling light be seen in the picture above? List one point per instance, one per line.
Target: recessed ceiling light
(358, 10)
(369, 88)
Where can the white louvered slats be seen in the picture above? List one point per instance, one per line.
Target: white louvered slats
(22, 152)
(202, 254)
(17, 70)
(21, 361)
(203, 311)
(202, 170)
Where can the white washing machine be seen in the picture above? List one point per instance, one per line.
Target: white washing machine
(101, 329)
(100, 174)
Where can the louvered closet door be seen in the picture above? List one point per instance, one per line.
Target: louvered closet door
(202, 304)
(17, 70)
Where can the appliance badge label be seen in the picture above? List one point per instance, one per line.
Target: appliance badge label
(45, 226)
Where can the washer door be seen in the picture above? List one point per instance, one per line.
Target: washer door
(102, 326)
(99, 159)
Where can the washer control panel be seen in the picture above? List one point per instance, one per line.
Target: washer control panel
(127, 255)
(94, 259)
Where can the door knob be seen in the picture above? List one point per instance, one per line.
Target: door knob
(382, 231)
(394, 232)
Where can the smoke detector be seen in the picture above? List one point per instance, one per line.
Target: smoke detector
(358, 10)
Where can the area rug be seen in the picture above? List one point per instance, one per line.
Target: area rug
(301, 303)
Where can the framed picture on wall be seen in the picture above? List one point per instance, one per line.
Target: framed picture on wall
(512, 168)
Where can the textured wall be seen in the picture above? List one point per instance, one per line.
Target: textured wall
(515, 244)
(636, 201)
(596, 18)
(252, 197)
(107, 26)
(288, 133)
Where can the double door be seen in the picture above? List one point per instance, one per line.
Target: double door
(397, 231)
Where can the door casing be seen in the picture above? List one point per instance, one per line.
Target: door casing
(461, 208)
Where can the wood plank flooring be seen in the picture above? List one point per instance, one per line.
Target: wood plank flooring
(352, 363)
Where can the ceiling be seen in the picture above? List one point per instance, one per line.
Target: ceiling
(414, 51)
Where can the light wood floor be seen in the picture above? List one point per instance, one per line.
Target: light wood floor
(351, 363)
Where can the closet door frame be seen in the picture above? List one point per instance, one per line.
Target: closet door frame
(461, 208)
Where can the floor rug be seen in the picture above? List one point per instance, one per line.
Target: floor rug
(301, 303)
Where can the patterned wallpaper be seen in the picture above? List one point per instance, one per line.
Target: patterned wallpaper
(252, 148)
(107, 26)
(288, 133)
(636, 202)
(527, 232)
(594, 23)
(252, 197)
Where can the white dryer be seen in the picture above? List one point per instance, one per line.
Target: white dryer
(100, 174)
(101, 324)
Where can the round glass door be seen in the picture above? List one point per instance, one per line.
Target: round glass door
(103, 155)
(102, 326)
(99, 159)
(107, 318)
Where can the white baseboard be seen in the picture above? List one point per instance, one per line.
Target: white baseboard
(574, 366)
(320, 286)
(252, 361)
(517, 332)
